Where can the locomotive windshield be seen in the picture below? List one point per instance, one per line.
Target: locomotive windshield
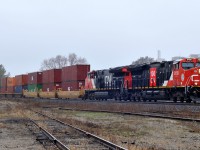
(187, 65)
(198, 64)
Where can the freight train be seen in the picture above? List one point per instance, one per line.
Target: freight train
(168, 80)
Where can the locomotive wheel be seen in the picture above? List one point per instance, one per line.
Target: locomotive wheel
(144, 99)
(182, 99)
(155, 100)
(175, 99)
(188, 100)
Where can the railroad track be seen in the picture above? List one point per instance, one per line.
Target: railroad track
(45, 137)
(159, 102)
(67, 137)
(154, 115)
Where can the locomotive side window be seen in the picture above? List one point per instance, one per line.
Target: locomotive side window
(176, 66)
(187, 65)
(198, 64)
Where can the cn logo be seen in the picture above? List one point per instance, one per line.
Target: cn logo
(153, 73)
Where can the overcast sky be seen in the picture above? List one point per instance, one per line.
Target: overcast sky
(107, 33)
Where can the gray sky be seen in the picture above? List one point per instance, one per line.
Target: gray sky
(107, 33)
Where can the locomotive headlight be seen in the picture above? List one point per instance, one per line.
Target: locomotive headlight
(196, 83)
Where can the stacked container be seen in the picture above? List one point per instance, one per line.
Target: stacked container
(35, 81)
(3, 85)
(73, 77)
(51, 80)
(10, 85)
(21, 83)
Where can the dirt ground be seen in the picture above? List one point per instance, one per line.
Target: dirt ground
(131, 132)
(14, 135)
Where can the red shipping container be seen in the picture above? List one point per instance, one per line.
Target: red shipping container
(73, 85)
(3, 89)
(75, 73)
(55, 75)
(52, 76)
(35, 78)
(49, 87)
(10, 89)
(3, 82)
(21, 80)
(45, 76)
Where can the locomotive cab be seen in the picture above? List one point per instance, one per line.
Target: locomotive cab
(186, 76)
(186, 72)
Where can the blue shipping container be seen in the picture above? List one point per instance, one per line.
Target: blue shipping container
(19, 89)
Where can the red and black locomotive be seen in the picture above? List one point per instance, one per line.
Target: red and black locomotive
(167, 80)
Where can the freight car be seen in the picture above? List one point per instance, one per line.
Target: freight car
(172, 80)
(55, 83)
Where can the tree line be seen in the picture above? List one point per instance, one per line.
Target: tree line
(72, 59)
(60, 61)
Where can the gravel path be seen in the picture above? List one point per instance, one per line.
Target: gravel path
(15, 135)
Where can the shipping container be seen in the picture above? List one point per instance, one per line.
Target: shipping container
(45, 76)
(10, 89)
(20, 88)
(52, 76)
(49, 87)
(11, 82)
(55, 76)
(75, 73)
(4, 82)
(34, 87)
(3, 90)
(21, 80)
(35, 78)
(72, 85)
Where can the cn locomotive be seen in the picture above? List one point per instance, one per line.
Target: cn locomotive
(168, 80)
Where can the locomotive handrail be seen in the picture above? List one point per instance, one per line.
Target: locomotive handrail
(186, 85)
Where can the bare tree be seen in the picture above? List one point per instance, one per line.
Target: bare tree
(59, 61)
(73, 59)
(54, 63)
(143, 60)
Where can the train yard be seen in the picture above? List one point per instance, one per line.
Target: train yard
(113, 122)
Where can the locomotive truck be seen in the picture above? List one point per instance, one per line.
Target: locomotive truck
(168, 80)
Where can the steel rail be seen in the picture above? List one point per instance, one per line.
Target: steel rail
(53, 139)
(102, 141)
(139, 114)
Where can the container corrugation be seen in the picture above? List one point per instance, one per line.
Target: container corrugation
(35, 78)
(55, 75)
(3, 89)
(48, 87)
(34, 87)
(21, 80)
(74, 73)
(45, 76)
(4, 82)
(52, 76)
(10, 82)
(10, 89)
(20, 88)
(72, 85)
